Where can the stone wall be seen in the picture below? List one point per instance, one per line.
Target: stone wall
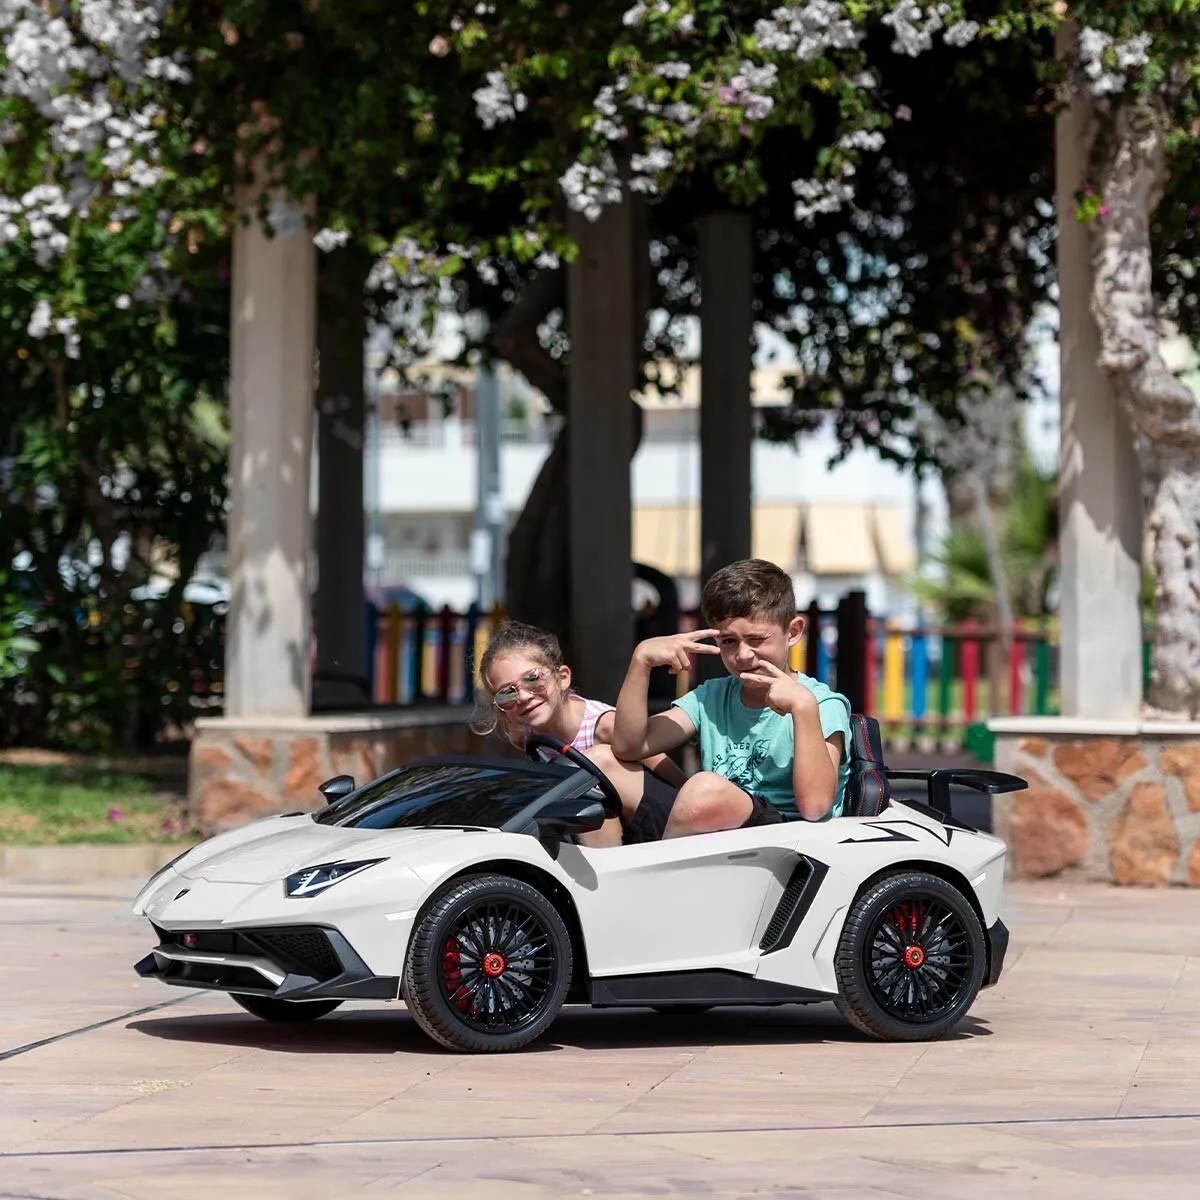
(1119, 807)
(242, 770)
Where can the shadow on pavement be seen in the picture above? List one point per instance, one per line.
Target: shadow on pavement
(394, 1031)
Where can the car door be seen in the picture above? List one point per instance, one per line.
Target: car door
(684, 904)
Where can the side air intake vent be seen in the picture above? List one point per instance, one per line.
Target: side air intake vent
(793, 904)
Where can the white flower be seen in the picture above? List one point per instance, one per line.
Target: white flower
(861, 139)
(657, 159)
(816, 196)
(330, 239)
(39, 322)
(547, 260)
(590, 188)
(912, 28)
(122, 302)
(961, 33)
(496, 101)
(1133, 53)
(808, 30)
(673, 70)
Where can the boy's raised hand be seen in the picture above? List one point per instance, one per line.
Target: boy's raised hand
(785, 693)
(675, 650)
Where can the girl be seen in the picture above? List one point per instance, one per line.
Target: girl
(524, 685)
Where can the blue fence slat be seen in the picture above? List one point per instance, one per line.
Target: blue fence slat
(920, 673)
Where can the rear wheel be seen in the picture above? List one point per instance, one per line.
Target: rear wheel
(488, 966)
(286, 1012)
(911, 958)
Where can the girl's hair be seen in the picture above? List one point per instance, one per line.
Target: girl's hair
(509, 638)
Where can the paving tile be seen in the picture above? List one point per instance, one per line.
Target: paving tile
(1075, 1076)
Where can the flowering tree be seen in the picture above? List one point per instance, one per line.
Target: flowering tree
(453, 139)
(1139, 63)
(114, 322)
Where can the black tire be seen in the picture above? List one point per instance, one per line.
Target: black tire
(284, 1012)
(911, 958)
(462, 984)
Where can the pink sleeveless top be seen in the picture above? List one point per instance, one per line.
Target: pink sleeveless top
(593, 710)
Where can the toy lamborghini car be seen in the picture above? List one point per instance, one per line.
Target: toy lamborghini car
(458, 885)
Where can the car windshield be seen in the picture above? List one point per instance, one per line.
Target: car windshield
(422, 794)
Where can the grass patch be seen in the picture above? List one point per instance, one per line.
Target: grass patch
(59, 805)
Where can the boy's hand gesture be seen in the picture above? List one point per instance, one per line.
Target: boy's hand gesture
(675, 650)
(785, 693)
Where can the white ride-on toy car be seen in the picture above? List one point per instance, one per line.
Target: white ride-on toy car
(457, 885)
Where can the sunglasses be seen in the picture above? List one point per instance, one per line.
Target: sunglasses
(531, 681)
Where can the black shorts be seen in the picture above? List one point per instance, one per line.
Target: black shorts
(649, 822)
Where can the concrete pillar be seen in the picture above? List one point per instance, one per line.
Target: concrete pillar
(600, 426)
(271, 403)
(726, 363)
(341, 678)
(1100, 501)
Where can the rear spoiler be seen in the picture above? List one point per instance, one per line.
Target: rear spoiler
(940, 779)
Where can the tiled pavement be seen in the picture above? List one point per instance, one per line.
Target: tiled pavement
(1079, 1075)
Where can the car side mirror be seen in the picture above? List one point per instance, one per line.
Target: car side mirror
(337, 788)
(572, 816)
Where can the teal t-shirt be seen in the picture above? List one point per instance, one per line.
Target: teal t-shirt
(754, 747)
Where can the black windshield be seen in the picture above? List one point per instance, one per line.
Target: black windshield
(445, 793)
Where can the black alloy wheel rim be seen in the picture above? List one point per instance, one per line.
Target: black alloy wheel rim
(918, 959)
(498, 967)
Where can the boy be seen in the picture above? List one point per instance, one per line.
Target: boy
(773, 745)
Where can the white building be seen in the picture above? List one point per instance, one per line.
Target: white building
(862, 523)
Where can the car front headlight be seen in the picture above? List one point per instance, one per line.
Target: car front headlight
(313, 880)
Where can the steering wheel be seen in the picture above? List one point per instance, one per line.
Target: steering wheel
(612, 798)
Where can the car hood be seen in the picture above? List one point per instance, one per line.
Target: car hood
(303, 845)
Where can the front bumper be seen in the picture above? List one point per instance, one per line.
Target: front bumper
(997, 938)
(287, 963)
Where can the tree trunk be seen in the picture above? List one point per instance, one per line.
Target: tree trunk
(1162, 409)
(537, 570)
(995, 560)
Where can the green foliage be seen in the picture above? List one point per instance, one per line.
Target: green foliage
(114, 470)
(1028, 531)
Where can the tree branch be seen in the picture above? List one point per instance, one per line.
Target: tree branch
(517, 341)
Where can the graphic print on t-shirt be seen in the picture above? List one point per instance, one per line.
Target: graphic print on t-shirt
(740, 763)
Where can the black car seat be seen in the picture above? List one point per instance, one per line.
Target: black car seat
(867, 789)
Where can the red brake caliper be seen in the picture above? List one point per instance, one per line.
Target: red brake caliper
(907, 915)
(452, 975)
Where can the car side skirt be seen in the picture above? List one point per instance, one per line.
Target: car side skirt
(714, 987)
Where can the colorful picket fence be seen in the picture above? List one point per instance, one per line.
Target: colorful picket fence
(422, 657)
(938, 679)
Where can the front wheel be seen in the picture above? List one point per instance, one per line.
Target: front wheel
(911, 958)
(284, 1012)
(488, 965)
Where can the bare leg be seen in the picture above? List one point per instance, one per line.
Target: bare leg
(627, 778)
(706, 803)
(609, 834)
